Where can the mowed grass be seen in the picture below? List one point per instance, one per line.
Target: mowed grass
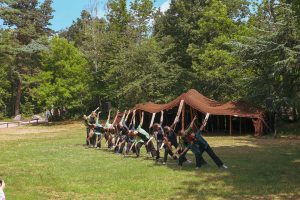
(51, 162)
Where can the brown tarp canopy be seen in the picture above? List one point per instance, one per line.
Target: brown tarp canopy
(205, 105)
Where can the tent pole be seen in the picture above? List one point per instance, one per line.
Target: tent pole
(240, 126)
(225, 123)
(191, 113)
(182, 117)
(218, 123)
(230, 125)
(212, 125)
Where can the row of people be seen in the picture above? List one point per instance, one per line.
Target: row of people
(123, 138)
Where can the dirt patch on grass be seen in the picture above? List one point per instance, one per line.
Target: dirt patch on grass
(41, 131)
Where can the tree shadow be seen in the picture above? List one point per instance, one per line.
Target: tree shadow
(254, 173)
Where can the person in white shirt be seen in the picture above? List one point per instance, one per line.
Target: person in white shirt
(2, 186)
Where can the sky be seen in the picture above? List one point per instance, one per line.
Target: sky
(67, 11)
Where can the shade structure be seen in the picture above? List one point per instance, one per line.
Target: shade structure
(203, 104)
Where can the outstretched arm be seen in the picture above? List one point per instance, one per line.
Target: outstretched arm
(97, 120)
(123, 117)
(127, 115)
(96, 109)
(133, 119)
(161, 117)
(190, 128)
(142, 119)
(115, 119)
(193, 121)
(108, 117)
(98, 114)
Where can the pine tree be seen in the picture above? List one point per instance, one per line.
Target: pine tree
(30, 21)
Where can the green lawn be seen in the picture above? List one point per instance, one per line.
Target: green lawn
(50, 162)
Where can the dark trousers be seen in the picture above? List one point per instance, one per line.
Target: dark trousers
(121, 147)
(198, 156)
(212, 154)
(138, 148)
(158, 145)
(129, 144)
(87, 135)
(167, 152)
(99, 138)
(182, 159)
(108, 138)
(149, 148)
(93, 139)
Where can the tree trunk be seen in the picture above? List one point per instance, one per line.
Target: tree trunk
(18, 97)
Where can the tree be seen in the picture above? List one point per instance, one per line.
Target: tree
(142, 11)
(64, 79)
(30, 21)
(273, 54)
(118, 17)
(138, 75)
(219, 71)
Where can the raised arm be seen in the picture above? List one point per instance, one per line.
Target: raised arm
(123, 117)
(96, 109)
(126, 118)
(97, 120)
(152, 120)
(161, 117)
(190, 128)
(142, 119)
(193, 121)
(108, 117)
(132, 119)
(115, 119)
(98, 114)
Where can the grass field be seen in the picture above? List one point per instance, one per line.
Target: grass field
(51, 162)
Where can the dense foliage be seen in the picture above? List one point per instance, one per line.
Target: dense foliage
(226, 49)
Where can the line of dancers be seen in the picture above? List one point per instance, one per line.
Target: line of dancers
(124, 136)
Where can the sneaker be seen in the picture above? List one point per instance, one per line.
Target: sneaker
(164, 163)
(197, 168)
(188, 161)
(224, 166)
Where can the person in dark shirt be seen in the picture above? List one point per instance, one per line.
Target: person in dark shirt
(170, 139)
(198, 145)
(123, 132)
(158, 134)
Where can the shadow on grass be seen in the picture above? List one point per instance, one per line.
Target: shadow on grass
(257, 170)
(254, 173)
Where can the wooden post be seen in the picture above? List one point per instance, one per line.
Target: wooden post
(191, 113)
(218, 123)
(182, 117)
(212, 125)
(230, 125)
(240, 126)
(225, 122)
